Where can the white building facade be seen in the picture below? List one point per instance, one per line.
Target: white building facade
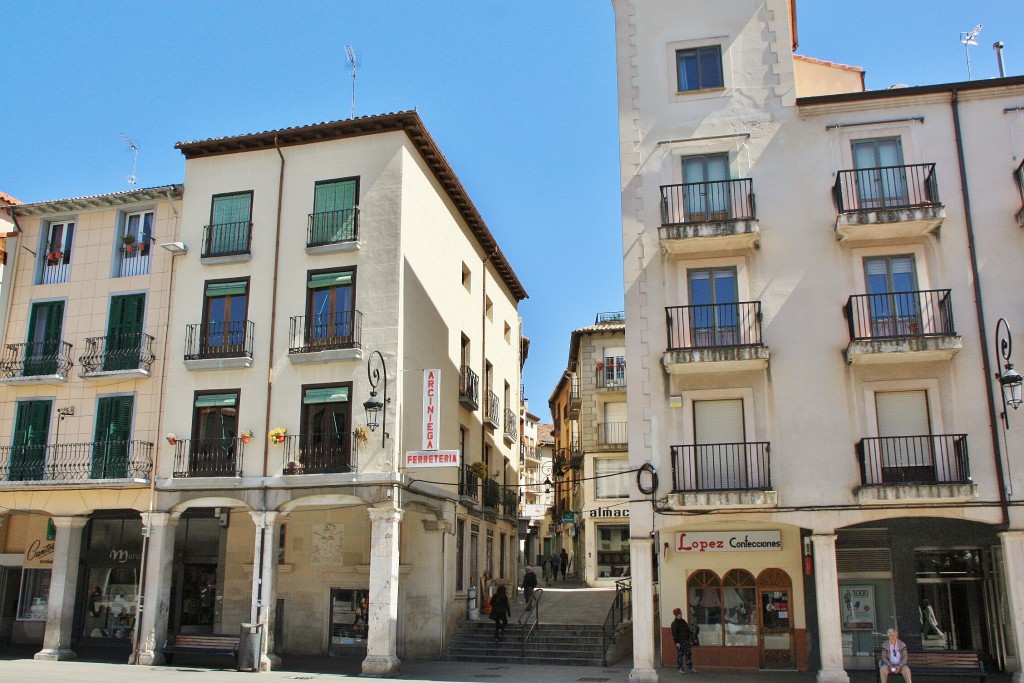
(810, 301)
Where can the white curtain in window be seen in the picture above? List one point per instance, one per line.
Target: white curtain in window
(611, 486)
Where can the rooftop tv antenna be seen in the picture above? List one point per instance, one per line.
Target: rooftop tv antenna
(353, 64)
(969, 38)
(135, 161)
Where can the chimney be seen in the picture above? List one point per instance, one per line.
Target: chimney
(998, 47)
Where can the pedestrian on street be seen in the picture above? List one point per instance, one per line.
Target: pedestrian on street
(500, 612)
(545, 567)
(529, 583)
(564, 563)
(555, 560)
(683, 637)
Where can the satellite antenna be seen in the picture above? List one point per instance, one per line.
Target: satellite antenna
(351, 54)
(969, 38)
(135, 161)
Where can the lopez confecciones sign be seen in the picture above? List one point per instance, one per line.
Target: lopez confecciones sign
(727, 541)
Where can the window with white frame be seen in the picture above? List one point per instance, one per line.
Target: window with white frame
(613, 429)
(610, 478)
(612, 367)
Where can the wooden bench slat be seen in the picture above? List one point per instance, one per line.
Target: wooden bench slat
(943, 663)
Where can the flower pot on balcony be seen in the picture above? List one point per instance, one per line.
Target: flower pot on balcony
(246, 437)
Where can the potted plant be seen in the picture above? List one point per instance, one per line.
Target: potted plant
(128, 240)
(293, 467)
(172, 439)
(361, 434)
(245, 436)
(479, 469)
(54, 257)
(276, 436)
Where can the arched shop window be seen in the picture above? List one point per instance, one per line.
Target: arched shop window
(725, 609)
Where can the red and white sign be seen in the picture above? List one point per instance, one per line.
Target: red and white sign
(431, 409)
(728, 541)
(432, 458)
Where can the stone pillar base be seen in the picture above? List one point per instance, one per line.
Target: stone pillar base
(55, 655)
(147, 658)
(643, 675)
(833, 676)
(380, 665)
(270, 662)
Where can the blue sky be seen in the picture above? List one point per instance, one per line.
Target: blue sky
(521, 97)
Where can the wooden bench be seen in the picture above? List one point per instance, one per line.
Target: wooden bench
(201, 644)
(939, 663)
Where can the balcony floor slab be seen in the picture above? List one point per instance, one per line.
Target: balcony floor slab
(911, 349)
(881, 224)
(219, 363)
(715, 237)
(326, 356)
(22, 380)
(718, 499)
(726, 359)
(115, 375)
(921, 493)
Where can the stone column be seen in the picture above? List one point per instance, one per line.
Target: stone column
(1013, 580)
(264, 583)
(382, 638)
(642, 570)
(155, 606)
(826, 587)
(60, 611)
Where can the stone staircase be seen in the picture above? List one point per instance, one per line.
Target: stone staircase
(549, 644)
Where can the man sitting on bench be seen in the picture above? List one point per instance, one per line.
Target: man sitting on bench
(893, 657)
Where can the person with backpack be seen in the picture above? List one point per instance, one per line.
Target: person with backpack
(529, 583)
(555, 561)
(682, 635)
(500, 612)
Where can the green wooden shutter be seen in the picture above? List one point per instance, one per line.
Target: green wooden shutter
(31, 430)
(44, 337)
(111, 440)
(124, 332)
(334, 212)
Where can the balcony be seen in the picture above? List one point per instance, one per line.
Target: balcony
(208, 457)
(575, 397)
(219, 346)
(227, 242)
(133, 260)
(492, 497)
(510, 502)
(76, 462)
(40, 362)
(492, 411)
(887, 202)
(469, 389)
(330, 232)
(117, 357)
(511, 427)
(611, 376)
(612, 435)
(723, 474)
(710, 217)
(714, 338)
(1018, 175)
(319, 453)
(895, 469)
(469, 483)
(901, 326)
(56, 267)
(326, 337)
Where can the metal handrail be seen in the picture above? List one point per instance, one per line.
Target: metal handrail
(923, 459)
(332, 227)
(616, 616)
(325, 331)
(714, 326)
(900, 315)
(885, 187)
(492, 410)
(114, 459)
(128, 351)
(231, 339)
(319, 453)
(708, 202)
(744, 466)
(532, 607)
(33, 359)
(227, 239)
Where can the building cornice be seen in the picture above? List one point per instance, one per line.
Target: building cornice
(99, 201)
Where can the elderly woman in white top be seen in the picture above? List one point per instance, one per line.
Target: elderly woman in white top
(893, 658)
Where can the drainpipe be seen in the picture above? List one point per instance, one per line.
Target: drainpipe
(273, 308)
(980, 310)
(9, 272)
(483, 368)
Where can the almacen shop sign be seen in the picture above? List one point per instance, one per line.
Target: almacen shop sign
(727, 541)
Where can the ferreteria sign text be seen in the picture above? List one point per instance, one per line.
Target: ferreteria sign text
(432, 458)
(727, 541)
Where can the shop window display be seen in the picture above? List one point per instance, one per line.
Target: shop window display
(613, 551)
(35, 594)
(705, 600)
(110, 607)
(726, 609)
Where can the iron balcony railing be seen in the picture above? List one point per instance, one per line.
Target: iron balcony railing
(469, 483)
(926, 459)
(510, 502)
(1018, 175)
(135, 261)
(611, 433)
(231, 339)
(611, 374)
(208, 457)
(332, 227)
(895, 315)
(34, 359)
(610, 317)
(492, 493)
(325, 331)
(56, 266)
(132, 351)
(887, 187)
(722, 467)
(574, 390)
(511, 425)
(469, 388)
(711, 326)
(708, 202)
(227, 239)
(77, 461)
(319, 453)
(492, 412)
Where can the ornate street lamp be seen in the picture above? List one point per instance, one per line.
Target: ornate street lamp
(375, 407)
(1010, 381)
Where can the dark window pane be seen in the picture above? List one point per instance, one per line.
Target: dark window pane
(710, 68)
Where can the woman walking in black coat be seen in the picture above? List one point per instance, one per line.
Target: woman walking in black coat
(500, 612)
